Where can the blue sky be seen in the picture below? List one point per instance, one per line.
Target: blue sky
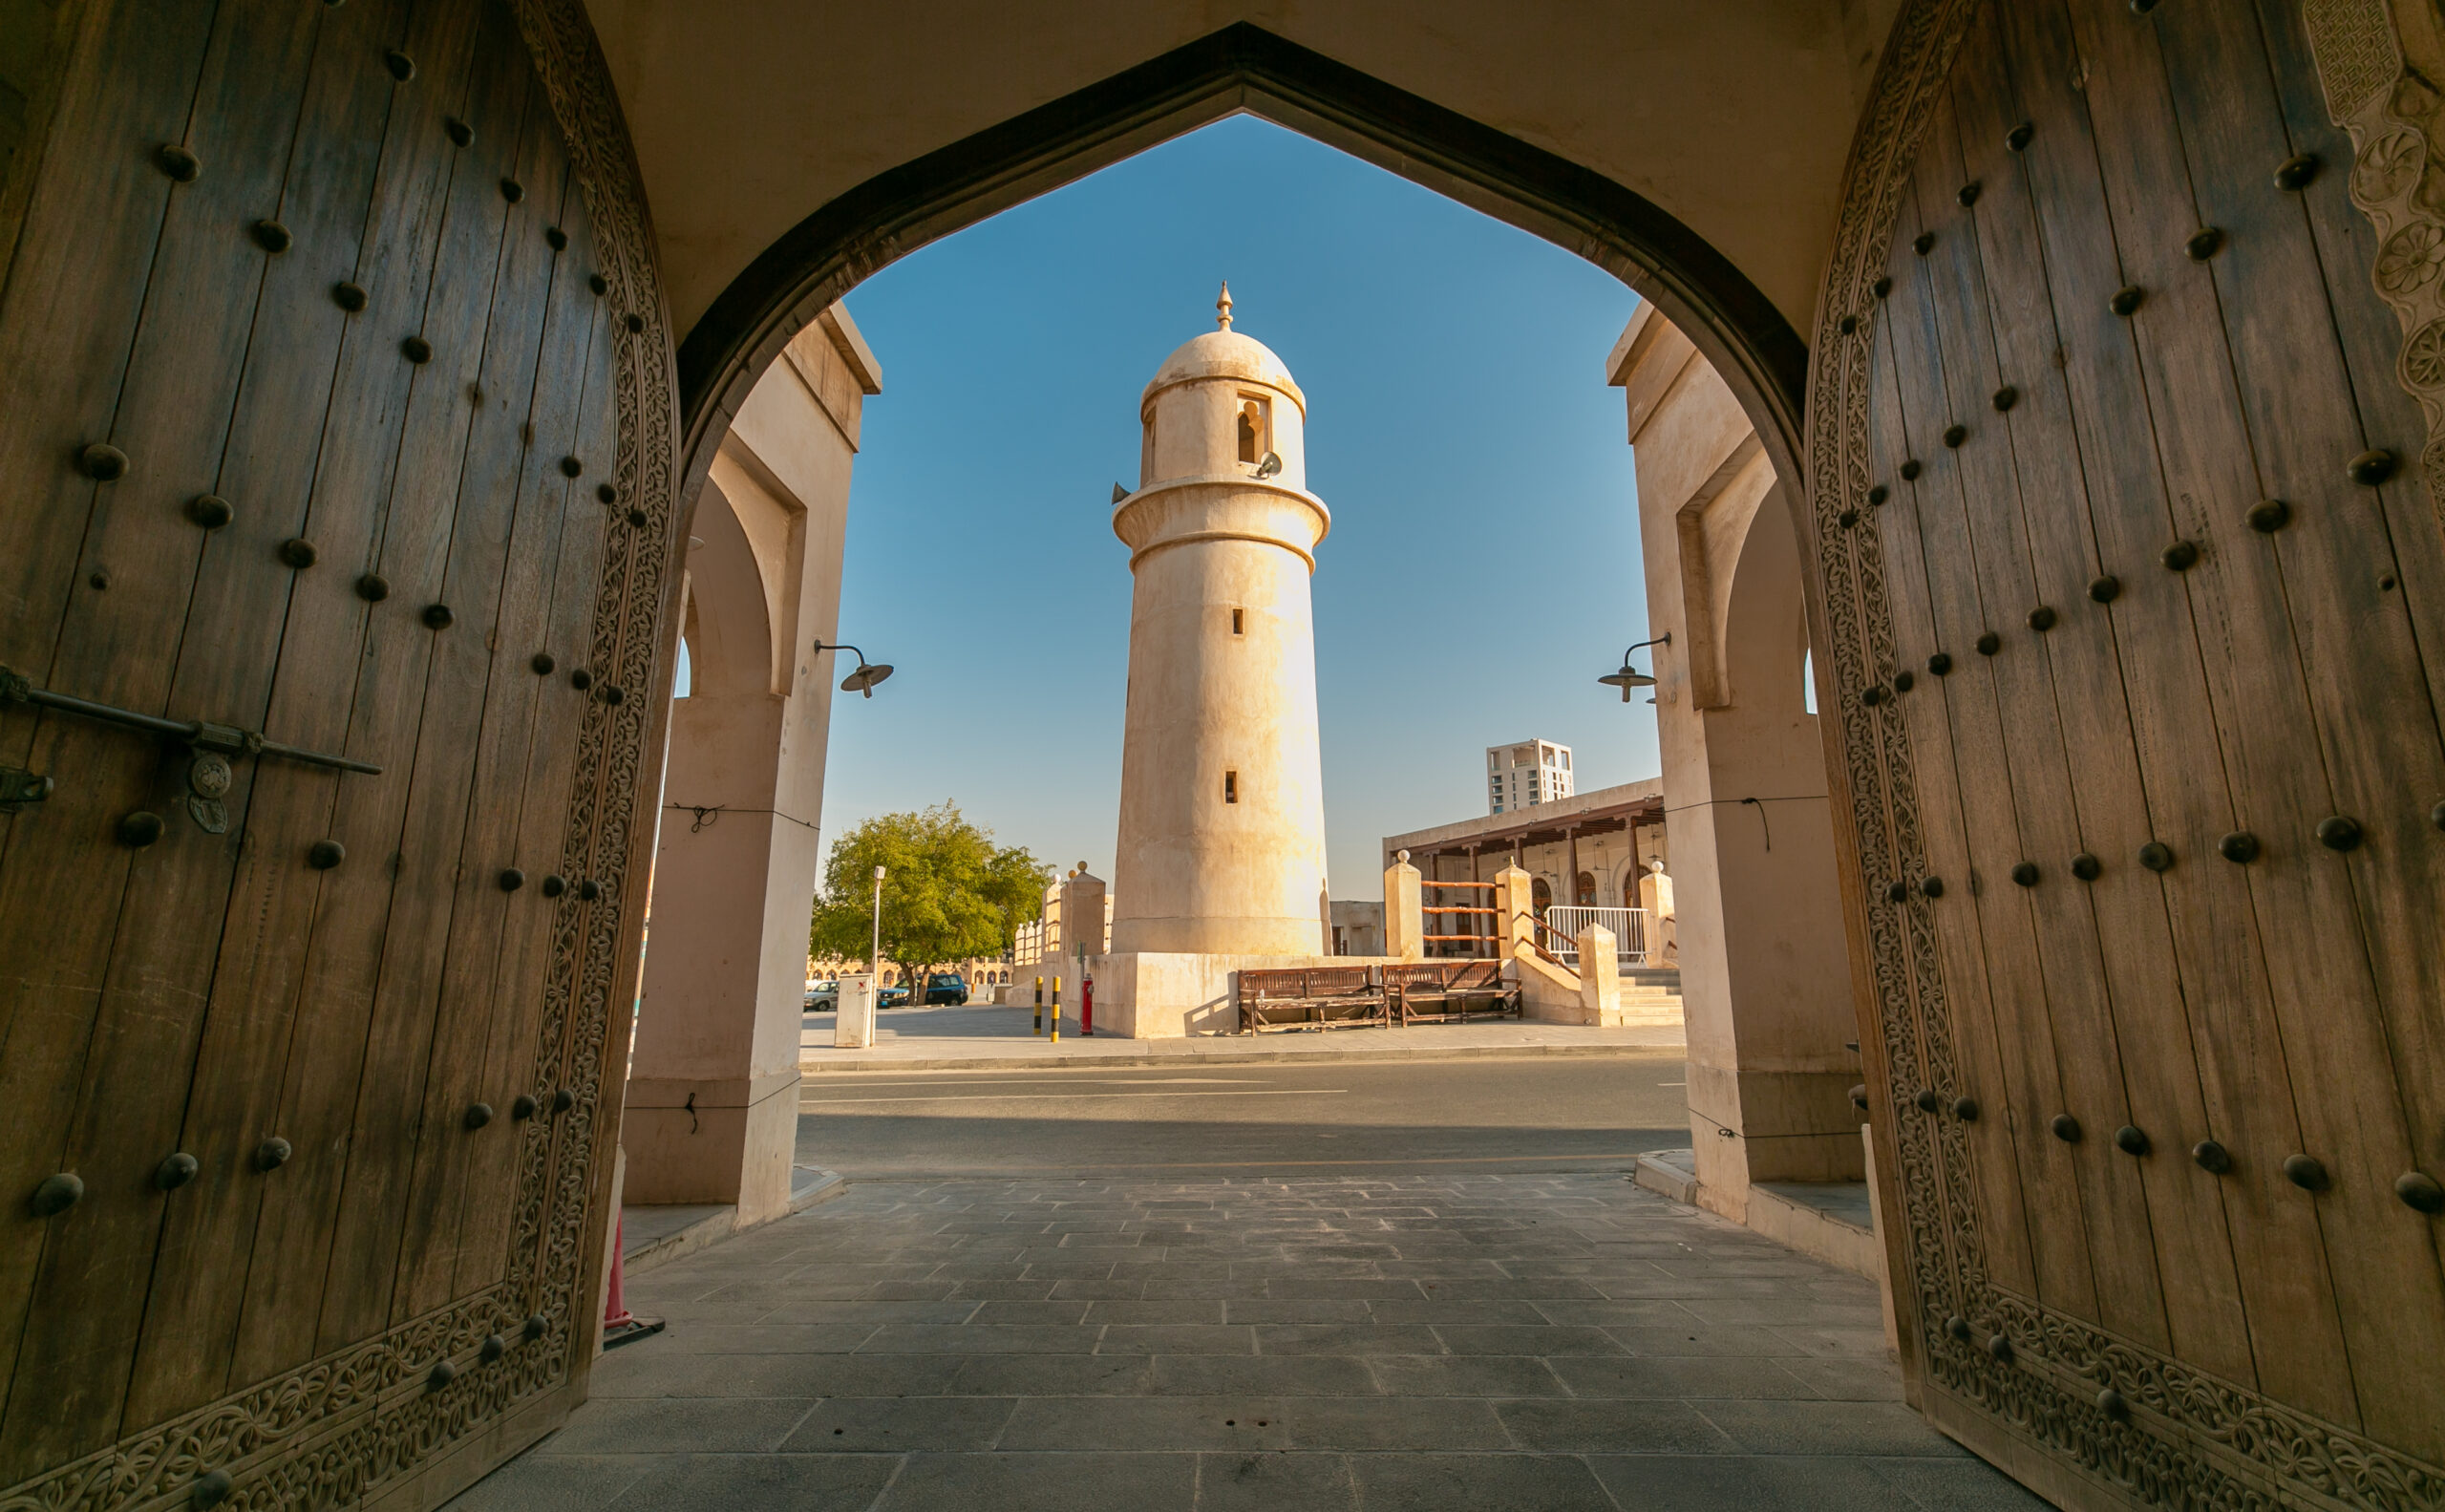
(1483, 567)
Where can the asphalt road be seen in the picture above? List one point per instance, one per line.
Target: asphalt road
(1449, 1117)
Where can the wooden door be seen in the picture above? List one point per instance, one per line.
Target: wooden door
(336, 417)
(2127, 515)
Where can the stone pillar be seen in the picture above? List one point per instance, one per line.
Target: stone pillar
(1655, 896)
(1082, 904)
(712, 1098)
(1599, 973)
(854, 1019)
(1514, 902)
(1754, 893)
(1404, 918)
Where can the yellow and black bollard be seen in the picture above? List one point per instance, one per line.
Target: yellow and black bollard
(1056, 1011)
(1039, 1005)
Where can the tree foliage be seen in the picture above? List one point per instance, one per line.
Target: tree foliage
(948, 891)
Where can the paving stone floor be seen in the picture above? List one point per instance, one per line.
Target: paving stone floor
(1547, 1342)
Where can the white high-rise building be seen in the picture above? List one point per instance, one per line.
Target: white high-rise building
(1530, 773)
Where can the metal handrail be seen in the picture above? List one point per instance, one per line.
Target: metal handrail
(1536, 943)
(1630, 936)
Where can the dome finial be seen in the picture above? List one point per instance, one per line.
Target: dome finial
(1223, 308)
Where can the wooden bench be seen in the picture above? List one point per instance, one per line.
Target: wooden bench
(1317, 998)
(1433, 991)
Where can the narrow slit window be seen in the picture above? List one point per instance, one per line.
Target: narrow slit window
(1236, 624)
(1230, 787)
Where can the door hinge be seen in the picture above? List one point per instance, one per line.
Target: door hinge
(20, 789)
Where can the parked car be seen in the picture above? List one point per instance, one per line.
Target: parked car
(822, 997)
(946, 987)
(893, 998)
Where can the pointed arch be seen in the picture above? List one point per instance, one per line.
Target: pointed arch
(1241, 67)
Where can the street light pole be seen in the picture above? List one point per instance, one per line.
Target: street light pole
(874, 952)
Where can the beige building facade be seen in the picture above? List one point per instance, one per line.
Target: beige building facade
(1605, 849)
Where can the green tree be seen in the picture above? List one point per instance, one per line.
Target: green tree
(948, 892)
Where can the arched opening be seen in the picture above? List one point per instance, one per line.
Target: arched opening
(776, 301)
(1251, 426)
(1242, 69)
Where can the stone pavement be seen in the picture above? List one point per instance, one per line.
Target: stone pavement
(1545, 1341)
(982, 1035)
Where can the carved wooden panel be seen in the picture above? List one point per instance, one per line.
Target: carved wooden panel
(339, 420)
(2125, 507)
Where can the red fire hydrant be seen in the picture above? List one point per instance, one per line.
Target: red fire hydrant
(1087, 1005)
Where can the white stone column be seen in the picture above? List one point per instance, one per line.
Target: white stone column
(1765, 968)
(1600, 974)
(1404, 911)
(1082, 903)
(712, 1098)
(1515, 902)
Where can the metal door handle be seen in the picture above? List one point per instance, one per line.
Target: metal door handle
(203, 735)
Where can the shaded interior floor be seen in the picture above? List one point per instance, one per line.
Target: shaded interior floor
(1843, 1202)
(1546, 1341)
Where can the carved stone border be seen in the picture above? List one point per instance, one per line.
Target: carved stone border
(2183, 1438)
(2390, 105)
(364, 1420)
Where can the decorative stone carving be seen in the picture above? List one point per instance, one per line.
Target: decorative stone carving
(2391, 107)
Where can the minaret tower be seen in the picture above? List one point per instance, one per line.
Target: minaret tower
(1222, 843)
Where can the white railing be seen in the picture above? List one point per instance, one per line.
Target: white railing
(1567, 922)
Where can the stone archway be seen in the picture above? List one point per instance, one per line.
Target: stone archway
(2019, 1381)
(770, 307)
(1240, 68)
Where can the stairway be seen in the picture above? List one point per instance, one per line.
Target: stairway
(1652, 994)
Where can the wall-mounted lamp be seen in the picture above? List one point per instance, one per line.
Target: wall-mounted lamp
(868, 673)
(1630, 676)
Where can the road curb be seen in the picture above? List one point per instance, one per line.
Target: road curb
(1225, 1057)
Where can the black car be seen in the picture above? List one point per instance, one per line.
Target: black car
(946, 986)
